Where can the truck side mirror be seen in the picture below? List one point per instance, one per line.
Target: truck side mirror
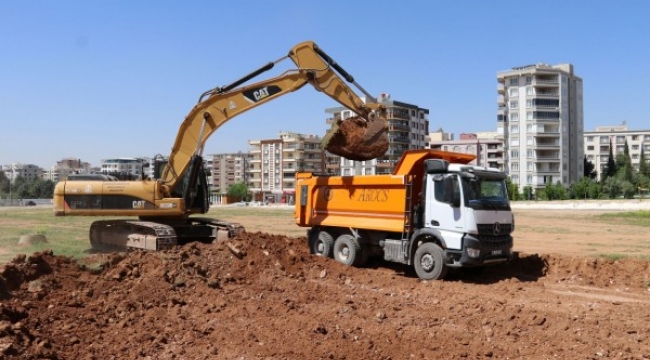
(451, 192)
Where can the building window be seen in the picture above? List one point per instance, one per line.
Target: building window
(529, 153)
(514, 81)
(514, 128)
(514, 166)
(529, 79)
(514, 104)
(514, 154)
(514, 117)
(529, 179)
(514, 141)
(590, 138)
(529, 115)
(529, 90)
(590, 148)
(529, 103)
(513, 91)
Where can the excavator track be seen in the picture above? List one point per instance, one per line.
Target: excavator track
(159, 234)
(125, 234)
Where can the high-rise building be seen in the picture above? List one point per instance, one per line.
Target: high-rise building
(540, 116)
(597, 144)
(274, 163)
(408, 128)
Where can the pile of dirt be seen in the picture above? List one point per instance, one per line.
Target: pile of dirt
(264, 296)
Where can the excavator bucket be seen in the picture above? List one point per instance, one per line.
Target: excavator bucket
(357, 138)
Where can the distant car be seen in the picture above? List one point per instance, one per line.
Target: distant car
(30, 203)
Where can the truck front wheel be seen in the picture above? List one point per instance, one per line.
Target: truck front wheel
(321, 244)
(347, 250)
(429, 262)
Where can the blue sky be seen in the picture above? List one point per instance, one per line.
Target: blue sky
(102, 79)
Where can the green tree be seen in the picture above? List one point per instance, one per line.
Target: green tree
(612, 187)
(238, 190)
(4, 183)
(589, 168)
(610, 169)
(513, 190)
(644, 167)
(528, 192)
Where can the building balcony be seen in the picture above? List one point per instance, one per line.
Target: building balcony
(546, 94)
(501, 88)
(547, 145)
(546, 158)
(546, 171)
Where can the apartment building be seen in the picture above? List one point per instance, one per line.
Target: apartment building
(486, 146)
(274, 163)
(29, 172)
(597, 142)
(540, 116)
(227, 169)
(124, 168)
(65, 167)
(408, 128)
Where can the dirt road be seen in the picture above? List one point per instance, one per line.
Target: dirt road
(275, 301)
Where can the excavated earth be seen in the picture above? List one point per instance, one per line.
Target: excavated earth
(264, 296)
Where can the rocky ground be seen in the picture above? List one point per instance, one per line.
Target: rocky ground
(271, 299)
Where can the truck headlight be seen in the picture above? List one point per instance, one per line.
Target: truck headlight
(473, 252)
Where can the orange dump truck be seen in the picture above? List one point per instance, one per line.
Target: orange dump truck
(433, 212)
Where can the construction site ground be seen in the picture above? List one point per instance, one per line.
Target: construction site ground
(577, 289)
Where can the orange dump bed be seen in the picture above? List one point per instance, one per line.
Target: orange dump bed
(377, 202)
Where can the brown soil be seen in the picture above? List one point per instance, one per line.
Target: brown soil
(353, 140)
(276, 301)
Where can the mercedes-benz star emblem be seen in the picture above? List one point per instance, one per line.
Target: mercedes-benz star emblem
(497, 228)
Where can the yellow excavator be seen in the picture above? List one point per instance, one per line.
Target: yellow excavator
(163, 206)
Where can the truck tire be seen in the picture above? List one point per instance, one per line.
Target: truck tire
(429, 262)
(347, 250)
(321, 244)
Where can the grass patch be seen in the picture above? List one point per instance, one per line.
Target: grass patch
(636, 218)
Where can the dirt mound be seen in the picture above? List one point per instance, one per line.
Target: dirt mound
(263, 296)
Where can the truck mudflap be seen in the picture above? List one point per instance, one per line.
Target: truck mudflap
(482, 250)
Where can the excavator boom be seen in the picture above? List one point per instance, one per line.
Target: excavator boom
(361, 137)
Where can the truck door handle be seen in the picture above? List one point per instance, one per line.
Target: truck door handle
(435, 223)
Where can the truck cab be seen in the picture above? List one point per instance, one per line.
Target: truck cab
(467, 208)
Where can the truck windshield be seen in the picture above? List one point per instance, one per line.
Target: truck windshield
(485, 193)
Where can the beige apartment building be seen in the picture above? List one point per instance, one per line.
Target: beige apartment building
(597, 142)
(540, 116)
(487, 147)
(408, 128)
(227, 169)
(65, 167)
(274, 163)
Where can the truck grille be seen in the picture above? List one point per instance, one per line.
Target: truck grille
(494, 229)
(495, 242)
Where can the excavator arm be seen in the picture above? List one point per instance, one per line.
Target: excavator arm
(362, 137)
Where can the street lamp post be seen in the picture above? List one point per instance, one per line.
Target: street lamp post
(11, 180)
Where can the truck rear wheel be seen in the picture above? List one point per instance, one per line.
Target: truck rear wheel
(321, 244)
(347, 250)
(429, 262)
